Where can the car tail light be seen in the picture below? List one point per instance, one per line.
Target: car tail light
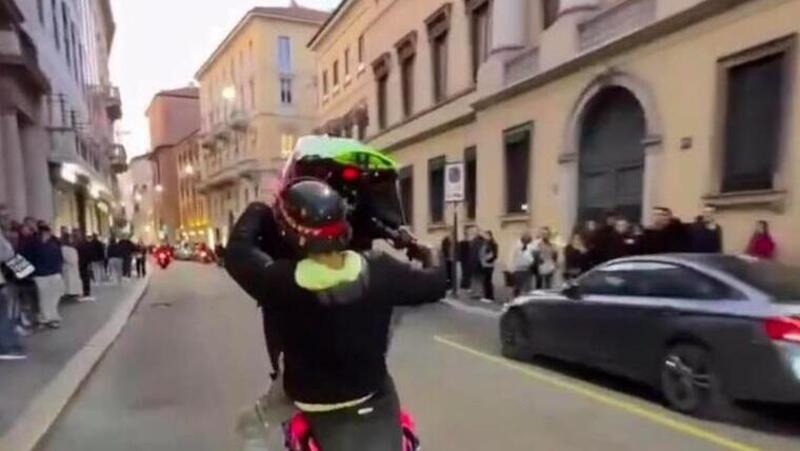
(783, 329)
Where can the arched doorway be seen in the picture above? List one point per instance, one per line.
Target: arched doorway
(611, 155)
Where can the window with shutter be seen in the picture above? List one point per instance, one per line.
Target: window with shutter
(517, 166)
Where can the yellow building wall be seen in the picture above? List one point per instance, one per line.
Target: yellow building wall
(681, 72)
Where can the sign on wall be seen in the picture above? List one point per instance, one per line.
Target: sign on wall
(454, 182)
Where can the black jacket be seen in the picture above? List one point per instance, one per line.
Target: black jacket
(674, 238)
(705, 240)
(335, 351)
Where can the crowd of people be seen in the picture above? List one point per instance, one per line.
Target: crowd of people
(538, 261)
(61, 268)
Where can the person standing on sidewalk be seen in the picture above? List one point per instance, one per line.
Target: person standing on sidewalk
(488, 257)
(98, 259)
(70, 270)
(115, 260)
(140, 256)
(126, 249)
(706, 233)
(10, 346)
(520, 264)
(84, 264)
(48, 262)
(545, 259)
(762, 245)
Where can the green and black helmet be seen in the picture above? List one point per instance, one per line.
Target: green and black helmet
(364, 176)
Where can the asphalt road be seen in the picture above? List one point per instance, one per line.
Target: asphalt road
(192, 359)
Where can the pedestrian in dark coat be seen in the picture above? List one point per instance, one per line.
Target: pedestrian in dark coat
(85, 255)
(706, 234)
(488, 254)
(577, 259)
(667, 235)
(48, 261)
(449, 258)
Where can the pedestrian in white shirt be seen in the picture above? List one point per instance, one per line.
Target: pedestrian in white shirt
(70, 269)
(520, 264)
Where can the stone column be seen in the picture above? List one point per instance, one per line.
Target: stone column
(14, 166)
(508, 25)
(40, 191)
(653, 156)
(568, 190)
(508, 34)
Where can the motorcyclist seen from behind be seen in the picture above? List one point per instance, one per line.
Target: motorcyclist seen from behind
(363, 176)
(335, 306)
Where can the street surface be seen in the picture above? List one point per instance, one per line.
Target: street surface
(192, 358)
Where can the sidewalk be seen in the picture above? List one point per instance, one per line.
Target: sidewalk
(33, 391)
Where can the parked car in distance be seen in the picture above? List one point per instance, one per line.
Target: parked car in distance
(702, 329)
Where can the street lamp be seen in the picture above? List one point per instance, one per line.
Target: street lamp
(159, 188)
(189, 169)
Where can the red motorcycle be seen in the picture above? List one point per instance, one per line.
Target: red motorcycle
(163, 257)
(298, 434)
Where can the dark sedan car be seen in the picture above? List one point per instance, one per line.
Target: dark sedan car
(703, 329)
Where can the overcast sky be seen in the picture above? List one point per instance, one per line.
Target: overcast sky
(160, 44)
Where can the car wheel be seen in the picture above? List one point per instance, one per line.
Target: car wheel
(689, 383)
(514, 337)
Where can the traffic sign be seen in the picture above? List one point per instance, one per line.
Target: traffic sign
(454, 181)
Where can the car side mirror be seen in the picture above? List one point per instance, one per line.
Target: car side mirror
(571, 290)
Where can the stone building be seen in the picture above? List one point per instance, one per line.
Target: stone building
(562, 110)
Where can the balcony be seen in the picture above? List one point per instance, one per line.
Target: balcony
(113, 103)
(207, 141)
(522, 66)
(222, 133)
(119, 159)
(240, 120)
(618, 20)
(18, 51)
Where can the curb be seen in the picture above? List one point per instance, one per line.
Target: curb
(472, 309)
(34, 422)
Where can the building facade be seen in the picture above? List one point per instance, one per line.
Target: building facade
(562, 110)
(59, 146)
(174, 117)
(138, 192)
(257, 95)
(193, 214)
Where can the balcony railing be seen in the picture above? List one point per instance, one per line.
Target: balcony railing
(113, 103)
(240, 120)
(119, 158)
(522, 66)
(616, 21)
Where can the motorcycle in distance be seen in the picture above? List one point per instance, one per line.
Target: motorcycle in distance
(163, 257)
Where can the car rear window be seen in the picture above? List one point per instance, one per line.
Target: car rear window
(780, 281)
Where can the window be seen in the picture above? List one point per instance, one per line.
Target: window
(755, 112)
(438, 28)
(382, 100)
(471, 182)
(406, 181)
(54, 15)
(336, 73)
(406, 54)
(325, 82)
(407, 79)
(346, 62)
(608, 282)
(65, 29)
(550, 9)
(286, 90)
(436, 189)
(284, 54)
(440, 68)
(361, 49)
(40, 10)
(479, 34)
(517, 165)
(381, 69)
